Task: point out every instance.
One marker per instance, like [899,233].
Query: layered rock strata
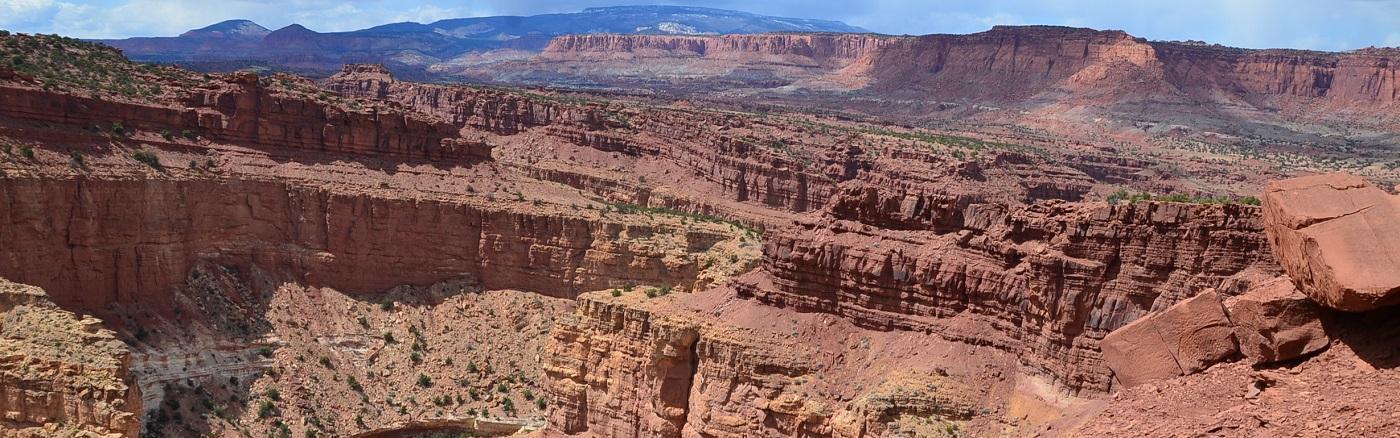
[61,373]
[633,366]
[1048,281]
[122,241]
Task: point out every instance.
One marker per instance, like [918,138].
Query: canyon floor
[232,254]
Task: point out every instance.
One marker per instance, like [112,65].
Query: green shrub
[27,152]
[118,128]
[1250,200]
[616,293]
[1118,196]
[539,403]
[425,381]
[267,409]
[326,362]
[355,384]
[389,338]
[147,158]
[76,158]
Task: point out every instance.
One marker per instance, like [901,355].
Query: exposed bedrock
[243,112]
[93,243]
[61,374]
[1047,281]
[628,366]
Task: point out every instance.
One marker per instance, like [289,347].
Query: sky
[1306,24]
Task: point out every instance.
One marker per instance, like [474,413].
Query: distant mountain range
[407,45]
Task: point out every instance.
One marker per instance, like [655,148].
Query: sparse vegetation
[1122,195]
[147,158]
[69,64]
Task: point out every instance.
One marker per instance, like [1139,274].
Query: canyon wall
[1047,281]
[61,373]
[93,243]
[1041,284]
[245,113]
[814,50]
[1029,67]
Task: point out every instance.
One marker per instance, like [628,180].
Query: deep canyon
[246,254]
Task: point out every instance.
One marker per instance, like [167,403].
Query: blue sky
[1313,24]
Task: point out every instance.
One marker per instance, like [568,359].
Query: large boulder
[1186,338]
[1275,322]
[1338,237]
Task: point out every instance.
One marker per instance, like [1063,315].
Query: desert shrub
[425,381]
[147,158]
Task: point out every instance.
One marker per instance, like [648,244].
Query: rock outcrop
[1339,239]
[244,112]
[1047,281]
[1275,322]
[632,366]
[60,373]
[1186,338]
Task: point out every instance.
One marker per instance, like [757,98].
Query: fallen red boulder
[1186,338]
[1338,237]
[1275,322]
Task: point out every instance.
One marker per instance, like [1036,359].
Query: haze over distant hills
[413,44]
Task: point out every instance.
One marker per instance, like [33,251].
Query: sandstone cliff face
[95,243]
[628,366]
[248,114]
[1047,281]
[59,373]
[815,50]
[1029,67]
[748,172]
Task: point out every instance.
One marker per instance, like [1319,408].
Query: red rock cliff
[828,50]
[93,243]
